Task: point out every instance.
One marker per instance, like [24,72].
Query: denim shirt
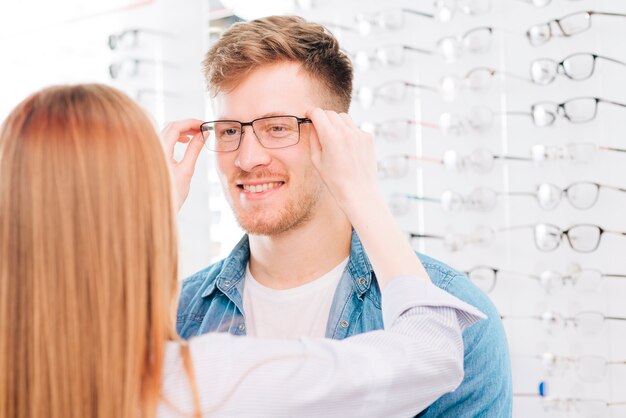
[211,300]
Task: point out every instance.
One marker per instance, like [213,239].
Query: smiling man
[301,270]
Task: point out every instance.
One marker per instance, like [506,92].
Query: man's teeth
[258,188]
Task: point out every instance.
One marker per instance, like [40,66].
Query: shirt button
[241,327]
[344,324]
[226,282]
[362,280]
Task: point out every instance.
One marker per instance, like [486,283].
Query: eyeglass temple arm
[603,148]
[414,49]
[422,198]
[518,194]
[414,235]
[611,102]
[512,158]
[420,86]
[614,276]
[619,189]
[604,57]
[613,232]
[615,318]
[425,159]
[591,12]
[417,12]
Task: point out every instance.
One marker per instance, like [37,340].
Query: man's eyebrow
[265,115]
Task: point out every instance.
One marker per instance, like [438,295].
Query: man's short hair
[269,40]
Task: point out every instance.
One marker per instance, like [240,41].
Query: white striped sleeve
[393,373]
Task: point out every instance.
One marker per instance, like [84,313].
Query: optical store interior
[500,133]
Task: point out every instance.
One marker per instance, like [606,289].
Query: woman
[88,283]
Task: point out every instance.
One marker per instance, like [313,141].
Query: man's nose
[251,153]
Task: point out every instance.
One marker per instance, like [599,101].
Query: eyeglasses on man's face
[579,66]
[571,24]
[272,132]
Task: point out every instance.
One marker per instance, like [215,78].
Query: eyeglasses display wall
[501,137]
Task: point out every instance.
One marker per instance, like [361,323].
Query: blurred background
[500,130]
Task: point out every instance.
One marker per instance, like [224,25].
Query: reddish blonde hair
[88,277]
[246,46]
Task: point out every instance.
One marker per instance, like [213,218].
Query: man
[301,270]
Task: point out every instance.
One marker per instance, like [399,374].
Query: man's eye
[229,132]
[277,128]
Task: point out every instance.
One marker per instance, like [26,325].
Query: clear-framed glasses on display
[568,25]
[134,67]
[582,238]
[479,200]
[391,92]
[476,41]
[397,166]
[272,132]
[389,56]
[480,236]
[445,10]
[575,152]
[391,19]
[585,322]
[583,280]
[476,79]
[588,368]
[480,160]
[540,3]
[575,110]
[130,38]
[581,195]
[476,119]
[579,66]
[395,130]
[578,407]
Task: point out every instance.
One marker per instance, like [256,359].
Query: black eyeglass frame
[562,112]
[251,124]
[563,33]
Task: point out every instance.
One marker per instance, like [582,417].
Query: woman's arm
[396,372]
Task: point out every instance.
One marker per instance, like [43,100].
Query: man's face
[270,190]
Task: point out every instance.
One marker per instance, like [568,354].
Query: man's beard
[297,212]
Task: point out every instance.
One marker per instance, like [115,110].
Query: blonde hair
[246,46]
[89,257]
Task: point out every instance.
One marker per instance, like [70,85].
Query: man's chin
[271,227]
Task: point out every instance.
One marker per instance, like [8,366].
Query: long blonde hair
[88,257]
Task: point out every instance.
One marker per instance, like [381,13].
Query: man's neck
[302,254]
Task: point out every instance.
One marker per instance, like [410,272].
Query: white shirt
[392,373]
[290,313]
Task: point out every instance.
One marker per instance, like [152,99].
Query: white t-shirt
[290,313]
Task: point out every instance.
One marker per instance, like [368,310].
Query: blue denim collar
[234,267]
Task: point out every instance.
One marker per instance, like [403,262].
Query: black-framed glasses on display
[583,280]
[588,368]
[578,66]
[272,132]
[480,236]
[566,26]
[575,152]
[575,110]
[395,130]
[585,322]
[582,238]
[391,92]
[581,194]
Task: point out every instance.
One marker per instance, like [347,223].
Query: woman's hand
[345,158]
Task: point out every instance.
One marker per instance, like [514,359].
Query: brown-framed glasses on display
[566,26]
[272,132]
